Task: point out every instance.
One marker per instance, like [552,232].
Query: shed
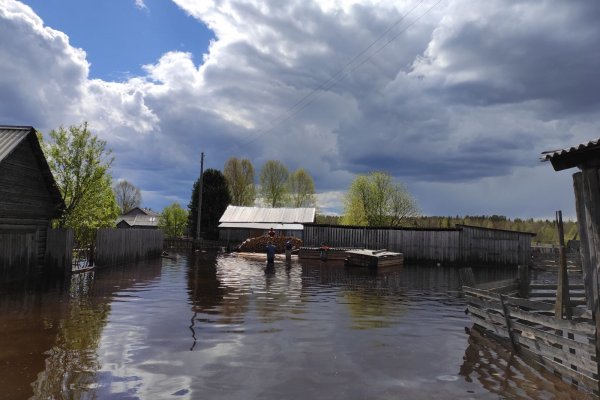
[138,218]
[29,200]
[239,223]
[586,184]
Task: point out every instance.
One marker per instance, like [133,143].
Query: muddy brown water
[225,327]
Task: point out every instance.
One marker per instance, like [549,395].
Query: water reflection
[51,332]
[501,372]
[293,330]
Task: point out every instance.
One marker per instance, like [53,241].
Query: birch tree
[240,181]
[376,200]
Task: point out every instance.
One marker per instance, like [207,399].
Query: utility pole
[200,196]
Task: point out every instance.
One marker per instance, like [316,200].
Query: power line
[336,78]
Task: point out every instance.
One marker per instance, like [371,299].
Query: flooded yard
[225,327]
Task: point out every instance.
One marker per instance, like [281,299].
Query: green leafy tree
[240,179]
[375,200]
[80,164]
[215,199]
[173,220]
[127,196]
[301,189]
[273,183]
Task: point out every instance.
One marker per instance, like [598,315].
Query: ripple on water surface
[226,327]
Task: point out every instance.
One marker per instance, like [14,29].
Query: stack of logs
[258,244]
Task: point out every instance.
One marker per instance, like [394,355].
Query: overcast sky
[455,98]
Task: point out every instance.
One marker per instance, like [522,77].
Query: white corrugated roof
[10,137]
[264,225]
[268,215]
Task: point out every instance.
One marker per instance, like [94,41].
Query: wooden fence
[464,244]
[59,251]
[121,246]
[529,327]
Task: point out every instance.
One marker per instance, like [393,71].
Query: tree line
[80,163]
[545,230]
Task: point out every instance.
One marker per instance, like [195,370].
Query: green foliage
[215,199]
[173,221]
[545,230]
[328,219]
[375,200]
[240,180]
[273,183]
[80,164]
[302,189]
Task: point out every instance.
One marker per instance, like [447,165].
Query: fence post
[562,307]
[524,280]
[508,324]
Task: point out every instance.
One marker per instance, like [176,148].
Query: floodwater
[225,327]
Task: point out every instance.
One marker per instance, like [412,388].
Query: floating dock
[318,253]
[374,258]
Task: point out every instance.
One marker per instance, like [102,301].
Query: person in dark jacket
[270,253]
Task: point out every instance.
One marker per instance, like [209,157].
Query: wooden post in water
[524,280]
[466,276]
[562,308]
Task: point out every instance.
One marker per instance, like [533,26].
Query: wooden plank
[565,371]
[486,305]
[582,362]
[514,288]
[498,330]
[578,328]
[533,305]
[481,293]
[585,348]
[497,284]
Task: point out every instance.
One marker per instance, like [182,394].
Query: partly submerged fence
[463,244]
[121,246]
[567,347]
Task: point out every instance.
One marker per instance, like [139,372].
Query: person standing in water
[288,250]
[270,253]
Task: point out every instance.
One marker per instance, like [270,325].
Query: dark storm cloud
[458,100]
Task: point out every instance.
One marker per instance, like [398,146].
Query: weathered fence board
[59,251]
[121,246]
[464,244]
[564,346]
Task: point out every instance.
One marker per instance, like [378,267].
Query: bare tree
[240,180]
[128,196]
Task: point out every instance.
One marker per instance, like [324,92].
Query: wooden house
[241,223]
[29,200]
[138,218]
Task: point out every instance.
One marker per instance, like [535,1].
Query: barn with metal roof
[29,199]
[239,223]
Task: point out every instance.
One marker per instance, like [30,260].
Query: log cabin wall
[27,203]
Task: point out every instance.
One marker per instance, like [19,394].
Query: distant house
[29,200]
[240,223]
[138,218]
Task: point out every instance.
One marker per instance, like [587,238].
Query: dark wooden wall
[494,246]
[26,206]
[122,246]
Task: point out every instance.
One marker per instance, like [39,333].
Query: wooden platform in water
[331,254]
[374,258]
[262,256]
